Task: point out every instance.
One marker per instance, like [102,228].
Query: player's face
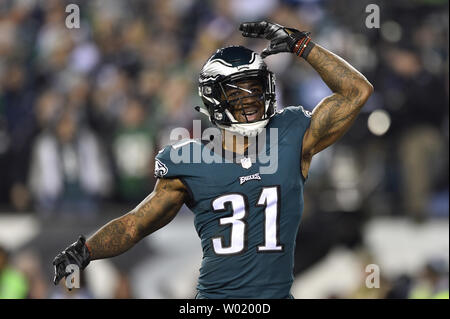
[246,99]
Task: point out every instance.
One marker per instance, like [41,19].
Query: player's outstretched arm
[122,233]
[334,115]
[154,212]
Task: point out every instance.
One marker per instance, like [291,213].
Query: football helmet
[228,67]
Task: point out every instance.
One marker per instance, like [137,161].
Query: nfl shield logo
[246,162]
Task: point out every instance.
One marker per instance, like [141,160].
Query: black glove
[77,254]
[282,39]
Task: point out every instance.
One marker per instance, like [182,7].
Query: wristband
[303,47]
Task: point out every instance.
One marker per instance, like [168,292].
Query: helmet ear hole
[207,90]
[218,116]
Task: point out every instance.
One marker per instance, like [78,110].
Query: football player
[247,221]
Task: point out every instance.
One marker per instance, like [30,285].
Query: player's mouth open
[251,114]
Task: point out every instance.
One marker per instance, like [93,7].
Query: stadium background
[84,111]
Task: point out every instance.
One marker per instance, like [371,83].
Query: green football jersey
[247,210]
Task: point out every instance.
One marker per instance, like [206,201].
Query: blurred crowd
[22,277]
[83,111]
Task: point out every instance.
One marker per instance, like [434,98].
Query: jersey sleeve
[300,117]
[295,120]
[164,167]
[298,120]
[176,161]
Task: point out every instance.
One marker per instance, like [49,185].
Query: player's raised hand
[77,254]
[281,39]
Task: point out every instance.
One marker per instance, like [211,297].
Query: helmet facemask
[232,99]
[245,101]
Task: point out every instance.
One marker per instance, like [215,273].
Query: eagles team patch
[160,168]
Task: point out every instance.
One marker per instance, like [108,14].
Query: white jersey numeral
[269,199]
[237,225]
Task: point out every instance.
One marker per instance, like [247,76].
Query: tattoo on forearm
[112,239]
[121,234]
[340,76]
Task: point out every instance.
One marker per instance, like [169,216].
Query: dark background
[84,111]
